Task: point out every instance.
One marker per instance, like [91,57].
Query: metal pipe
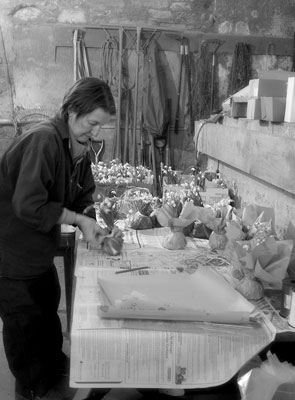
[134,138]
[6,122]
[118,152]
[9,122]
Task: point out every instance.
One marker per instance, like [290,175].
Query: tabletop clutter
[195,205]
[198,205]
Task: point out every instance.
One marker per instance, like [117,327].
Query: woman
[45,181]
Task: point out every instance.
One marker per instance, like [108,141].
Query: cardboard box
[214,195]
[211,195]
[275,74]
[290,101]
[239,107]
[238,103]
[243,93]
[273,108]
[267,88]
[254,109]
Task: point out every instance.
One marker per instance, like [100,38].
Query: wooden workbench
[257,158]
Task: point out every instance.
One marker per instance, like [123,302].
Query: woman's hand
[116,232]
[92,232]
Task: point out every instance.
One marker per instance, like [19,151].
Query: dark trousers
[32,333]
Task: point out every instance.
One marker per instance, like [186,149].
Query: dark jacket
[37,179]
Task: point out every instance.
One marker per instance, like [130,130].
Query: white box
[275,74]
[253,109]
[267,88]
[290,101]
[214,195]
[273,108]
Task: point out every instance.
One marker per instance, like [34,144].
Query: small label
[291,319]
[287,301]
[255,92]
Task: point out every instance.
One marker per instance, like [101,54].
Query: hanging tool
[75,35]
[134,136]
[153,162]
[141,44]
[81,66]
[176,124]
[241,70]
[293,58]
[110,61]
[127,87]
[126,130]
[212,119]
[110,73]
[168,160]
[155,113]
[142,156]
[160,143]
[216,44]
[141,153]
[118,152]
[187,64]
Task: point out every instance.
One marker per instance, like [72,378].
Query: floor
[228,392]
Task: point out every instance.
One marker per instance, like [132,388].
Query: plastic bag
[271,380]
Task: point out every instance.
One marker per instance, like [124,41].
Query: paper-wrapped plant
[108,212]
[138,204]
[250,243]
[176,213]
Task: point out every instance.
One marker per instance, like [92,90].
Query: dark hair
[86,95]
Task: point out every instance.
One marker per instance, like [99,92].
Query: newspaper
[146,353]
[272,313]
[144,249]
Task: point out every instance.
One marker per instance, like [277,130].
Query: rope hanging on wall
[110,62]
[240,73]
[81,64]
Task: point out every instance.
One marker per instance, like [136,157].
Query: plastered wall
[36,59]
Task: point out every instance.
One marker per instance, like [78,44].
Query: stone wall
[36,66]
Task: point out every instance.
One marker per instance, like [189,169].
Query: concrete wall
[36,60]
[256,158]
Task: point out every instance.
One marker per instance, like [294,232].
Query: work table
[148,354]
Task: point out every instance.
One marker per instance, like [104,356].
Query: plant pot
[175,240]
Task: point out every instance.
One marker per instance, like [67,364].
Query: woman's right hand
[92,232]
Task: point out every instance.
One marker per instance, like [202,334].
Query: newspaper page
[138,253]
[270,307]
[164,358]
[147,353]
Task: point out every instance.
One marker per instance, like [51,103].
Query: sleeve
[33,180]
[85,196]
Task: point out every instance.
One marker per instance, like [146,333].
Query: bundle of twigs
[241,72]
[201,90]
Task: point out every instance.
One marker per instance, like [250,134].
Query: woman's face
[88,126]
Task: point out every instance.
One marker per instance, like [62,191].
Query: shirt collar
[77,150]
